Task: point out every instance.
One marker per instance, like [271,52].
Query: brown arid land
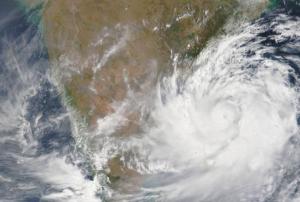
[106,50]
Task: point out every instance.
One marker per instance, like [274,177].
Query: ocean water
[34,126]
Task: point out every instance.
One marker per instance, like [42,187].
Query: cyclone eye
[224,114]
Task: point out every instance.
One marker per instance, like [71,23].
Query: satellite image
[149,100]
